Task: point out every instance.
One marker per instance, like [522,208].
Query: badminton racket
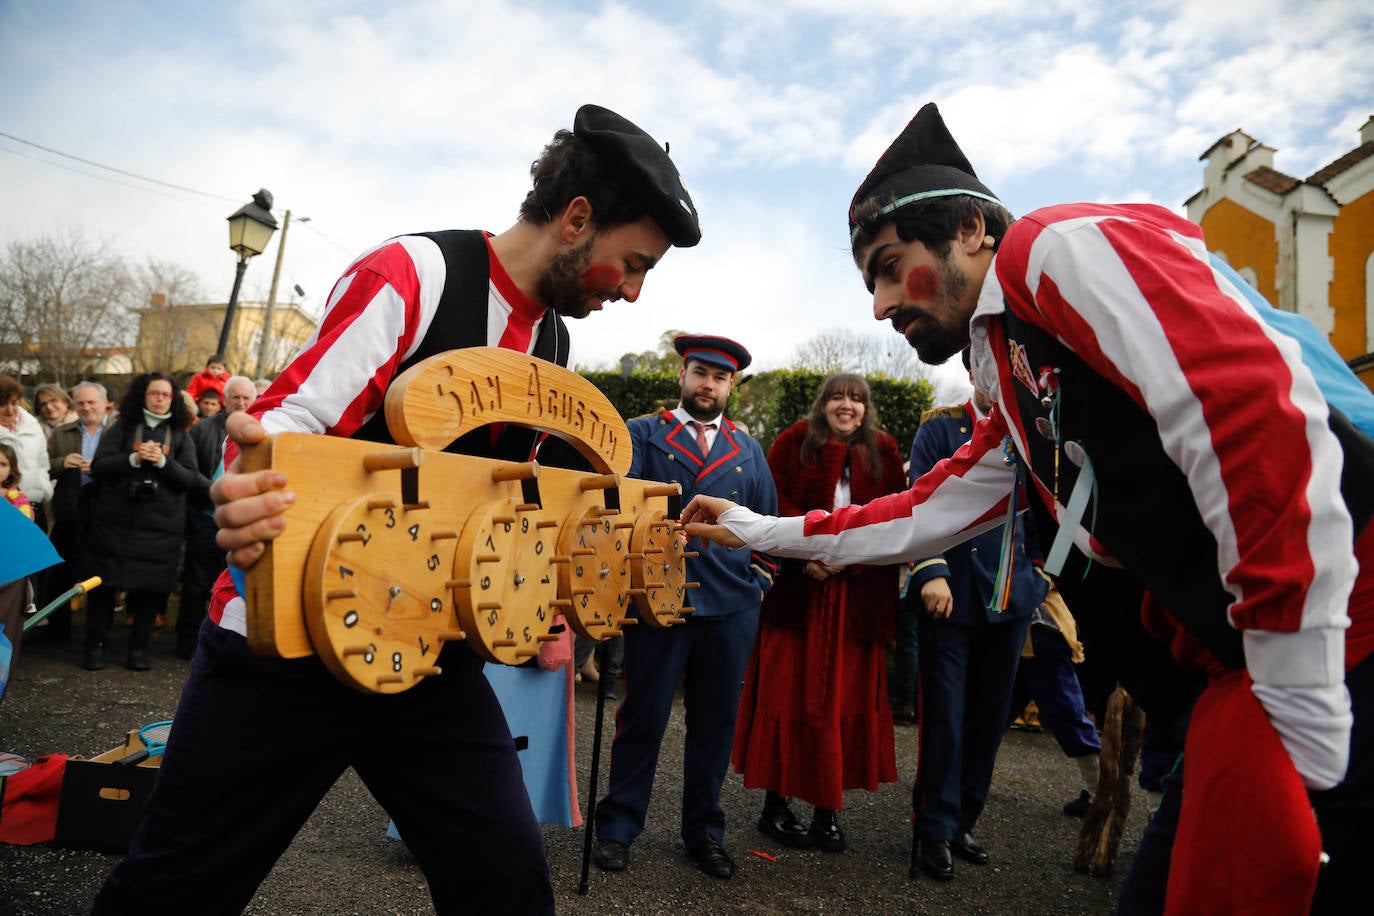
[154,737]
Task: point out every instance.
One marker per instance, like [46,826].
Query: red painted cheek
[922,283]
[599,279]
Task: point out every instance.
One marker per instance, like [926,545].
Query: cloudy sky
[375,119]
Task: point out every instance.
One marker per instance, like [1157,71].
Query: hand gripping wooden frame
[391,550]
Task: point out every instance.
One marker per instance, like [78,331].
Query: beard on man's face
[937,330]
[560,285]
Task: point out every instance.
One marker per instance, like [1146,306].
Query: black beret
[923,162]
[718,351]
[635,156]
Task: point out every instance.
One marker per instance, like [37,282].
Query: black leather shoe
[779,824]
[932,857]
[1080,805]
[712,858]
[138,660]
[966,847]
[95,658]
[826,832]
[610,855]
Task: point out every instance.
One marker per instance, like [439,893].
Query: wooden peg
[561,602]
[418,504]
[546,523]
[583,591]
[502,643]
[428,672]
[582,552]
[348,536]
[559,561]
[547,637]
[356,650]
[664,489]
[381,502]
[503,519]
[691,585]
[444,535]
[450,636]
[489,606]
[687,610]
[636,592]
[390,679]
[528,507]
[393,459]
[336,594]
[526,653]
[524,471]
[689,554]
[458,583]
[598,482]
[489,558]
[620,525]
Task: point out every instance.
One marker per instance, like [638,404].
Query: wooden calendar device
[392,550]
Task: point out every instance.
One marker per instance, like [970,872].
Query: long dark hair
[131,408]
[865,438]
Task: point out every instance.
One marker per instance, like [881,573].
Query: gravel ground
[341,862]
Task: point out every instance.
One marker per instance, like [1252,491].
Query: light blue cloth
[1339,385]
[26,549]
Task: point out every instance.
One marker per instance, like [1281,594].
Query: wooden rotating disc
[376,604]
[504,581]
[659,571]
[596,580]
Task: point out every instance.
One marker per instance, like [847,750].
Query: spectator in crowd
[9,481]
[144,466]
[23,432]
[814,718]
[262,384]
[71,448]
[696,446]
[204,558]
[210,402]
[212,376]
[54,407]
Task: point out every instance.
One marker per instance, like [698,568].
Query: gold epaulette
[956,412]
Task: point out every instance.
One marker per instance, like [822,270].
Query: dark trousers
[901,687]
[257,742]
[709,655]
[966,677]
[1048,678]
[143,604]
[205,560]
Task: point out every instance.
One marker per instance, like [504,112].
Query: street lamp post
[250,228]
[265,342]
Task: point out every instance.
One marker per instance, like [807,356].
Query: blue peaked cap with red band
[718,351]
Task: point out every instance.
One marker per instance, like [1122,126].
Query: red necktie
[701,435]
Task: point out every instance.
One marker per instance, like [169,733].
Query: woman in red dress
[814,718]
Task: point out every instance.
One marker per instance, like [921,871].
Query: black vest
[1144,512]
[461,321]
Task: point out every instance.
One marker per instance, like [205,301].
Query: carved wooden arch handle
[447,396]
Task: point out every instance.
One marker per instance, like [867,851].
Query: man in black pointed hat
[258,741]
[1184,446]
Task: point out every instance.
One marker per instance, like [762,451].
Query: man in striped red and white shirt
[1167,425]
[606,205]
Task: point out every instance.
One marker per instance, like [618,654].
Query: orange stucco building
[1307,244]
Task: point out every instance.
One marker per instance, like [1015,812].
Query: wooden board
[373,525]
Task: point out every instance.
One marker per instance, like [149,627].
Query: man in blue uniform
[699,448]
[969,641]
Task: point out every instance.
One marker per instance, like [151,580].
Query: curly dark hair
[568,168]
[865,437]
[933,222]
[131,407]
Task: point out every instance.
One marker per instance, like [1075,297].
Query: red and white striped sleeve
[1130,290]
[962,496]
[378,312]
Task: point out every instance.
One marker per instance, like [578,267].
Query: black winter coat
[138,523]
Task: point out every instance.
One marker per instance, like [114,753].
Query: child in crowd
[9,480]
